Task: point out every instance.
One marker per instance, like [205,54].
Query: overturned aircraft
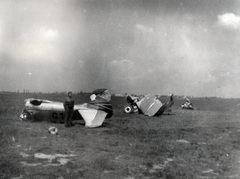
[187,105]
[93,113]
[149,105]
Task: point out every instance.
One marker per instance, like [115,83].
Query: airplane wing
[149,105]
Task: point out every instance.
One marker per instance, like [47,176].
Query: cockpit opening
[36,102]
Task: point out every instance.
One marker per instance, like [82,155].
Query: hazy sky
[185,47]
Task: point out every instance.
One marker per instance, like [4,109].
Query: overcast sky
[185,47]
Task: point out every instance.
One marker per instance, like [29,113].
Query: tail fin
[103,105]
[93,117]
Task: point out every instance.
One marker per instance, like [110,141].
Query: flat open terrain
[194,144]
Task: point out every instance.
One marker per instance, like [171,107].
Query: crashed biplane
[93,113]
[149,105]
[188,104]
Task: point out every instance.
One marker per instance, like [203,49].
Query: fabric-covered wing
[149,105]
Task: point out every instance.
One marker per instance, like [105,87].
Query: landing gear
[27,116]
[130,109]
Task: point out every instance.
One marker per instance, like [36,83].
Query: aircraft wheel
[128,109]
[53,130]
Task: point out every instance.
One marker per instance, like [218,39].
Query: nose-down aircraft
[149,105]
[93,113]
[188,104]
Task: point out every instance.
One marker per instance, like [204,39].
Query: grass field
[185,144]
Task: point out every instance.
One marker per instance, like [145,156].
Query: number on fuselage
[54,116]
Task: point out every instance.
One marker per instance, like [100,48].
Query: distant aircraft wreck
[149,105]
[188,104]
[93,113]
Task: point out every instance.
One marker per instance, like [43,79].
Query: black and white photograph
[119,89]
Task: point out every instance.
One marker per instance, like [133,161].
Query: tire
[128,110]
[53,130]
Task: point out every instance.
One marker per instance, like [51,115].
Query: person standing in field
[68,106]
